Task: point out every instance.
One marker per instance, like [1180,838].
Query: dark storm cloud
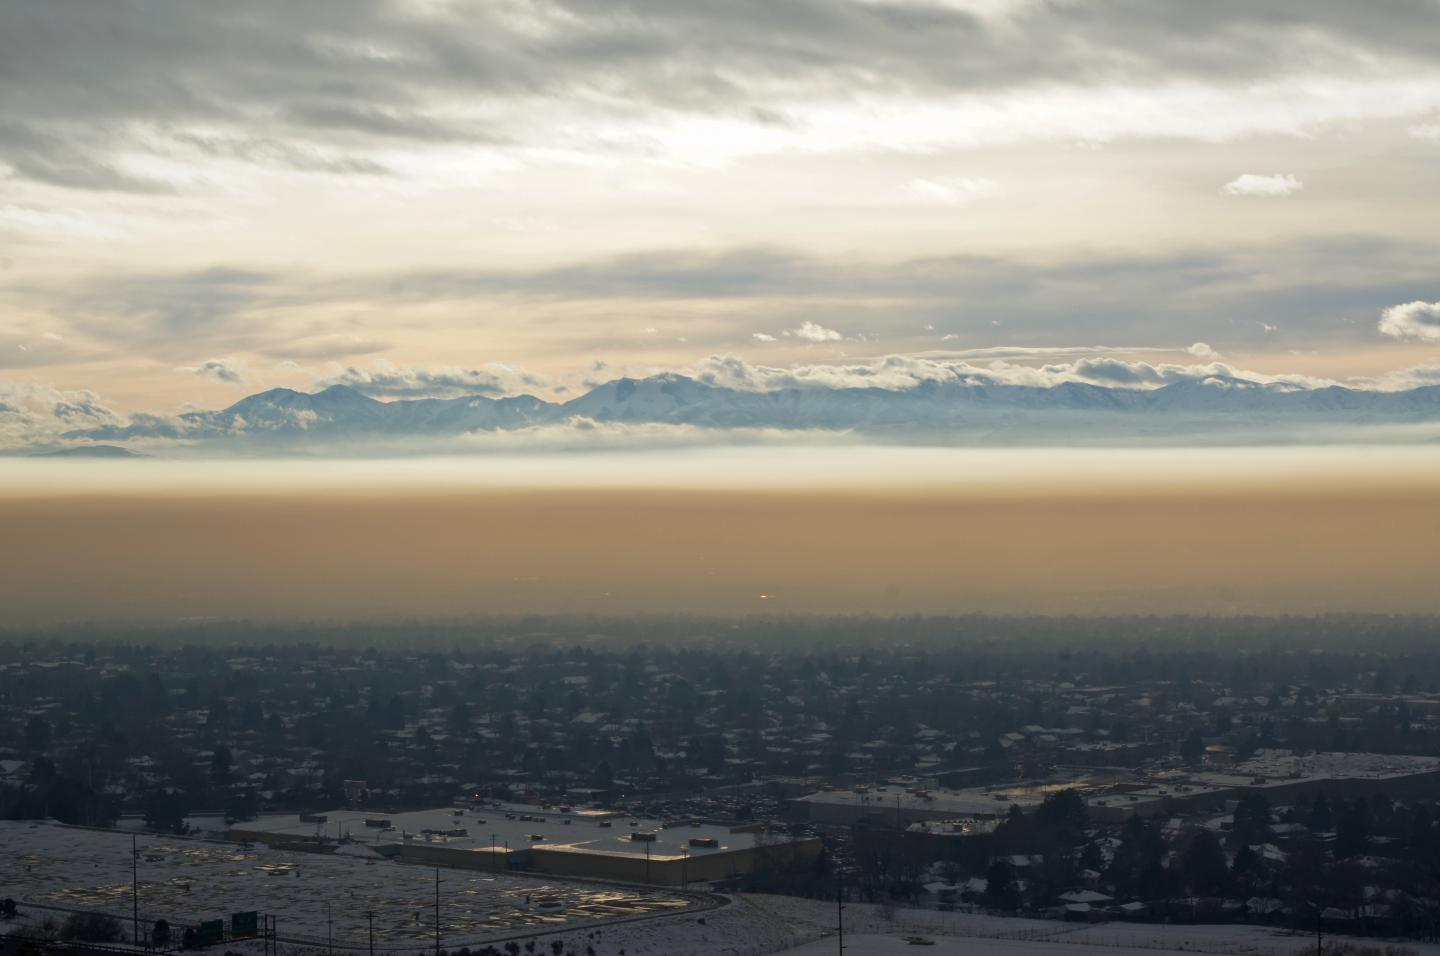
[81,79]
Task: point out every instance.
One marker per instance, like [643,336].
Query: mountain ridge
[935,410]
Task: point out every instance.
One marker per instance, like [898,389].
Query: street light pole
[437,911]
[1319,926]
[370,915]
[329,929]
[134,889]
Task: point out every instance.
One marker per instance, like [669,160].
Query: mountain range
[952,413]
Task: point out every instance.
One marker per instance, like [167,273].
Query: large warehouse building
[561,842]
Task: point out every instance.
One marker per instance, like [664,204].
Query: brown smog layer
[277,556]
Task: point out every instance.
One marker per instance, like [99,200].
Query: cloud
[277,153]
[386,380]
[1413,320]
[168,311]
[581,433]
[762,337]
[221,370]
[1311,288]
[33,415]
[1201,350]
[1265,187]
[60,158]
[953,191]
[91,82]
[814,332]
[1401,380]
[902,372]
[1040,352]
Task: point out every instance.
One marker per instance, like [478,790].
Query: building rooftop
[971,801]
[1285,766]
[515,826]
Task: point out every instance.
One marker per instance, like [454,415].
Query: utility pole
[134,889]
[840,918]
[370,915]
[329,929]
[1319,926]
[437,911]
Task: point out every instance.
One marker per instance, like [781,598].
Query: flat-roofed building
[1283,774]
[561,842]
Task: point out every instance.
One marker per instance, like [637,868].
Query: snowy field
[868,931]
[871,945]
[186,880]
[756,925]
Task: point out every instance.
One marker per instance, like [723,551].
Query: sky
[433,197]
[1133,223]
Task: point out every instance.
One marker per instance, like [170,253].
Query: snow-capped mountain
[958,413]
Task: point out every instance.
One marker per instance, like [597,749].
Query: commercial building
[1281,775]
[557,841]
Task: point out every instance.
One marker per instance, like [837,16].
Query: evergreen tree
[1193,749]
[1203,865]
[1001,888]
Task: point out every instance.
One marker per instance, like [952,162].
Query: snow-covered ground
[187,880]
[756,925]
[874,945]
[869,930]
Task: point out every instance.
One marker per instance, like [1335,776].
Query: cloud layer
[386,380]
[391,194]
[1315,292]
[95,87]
